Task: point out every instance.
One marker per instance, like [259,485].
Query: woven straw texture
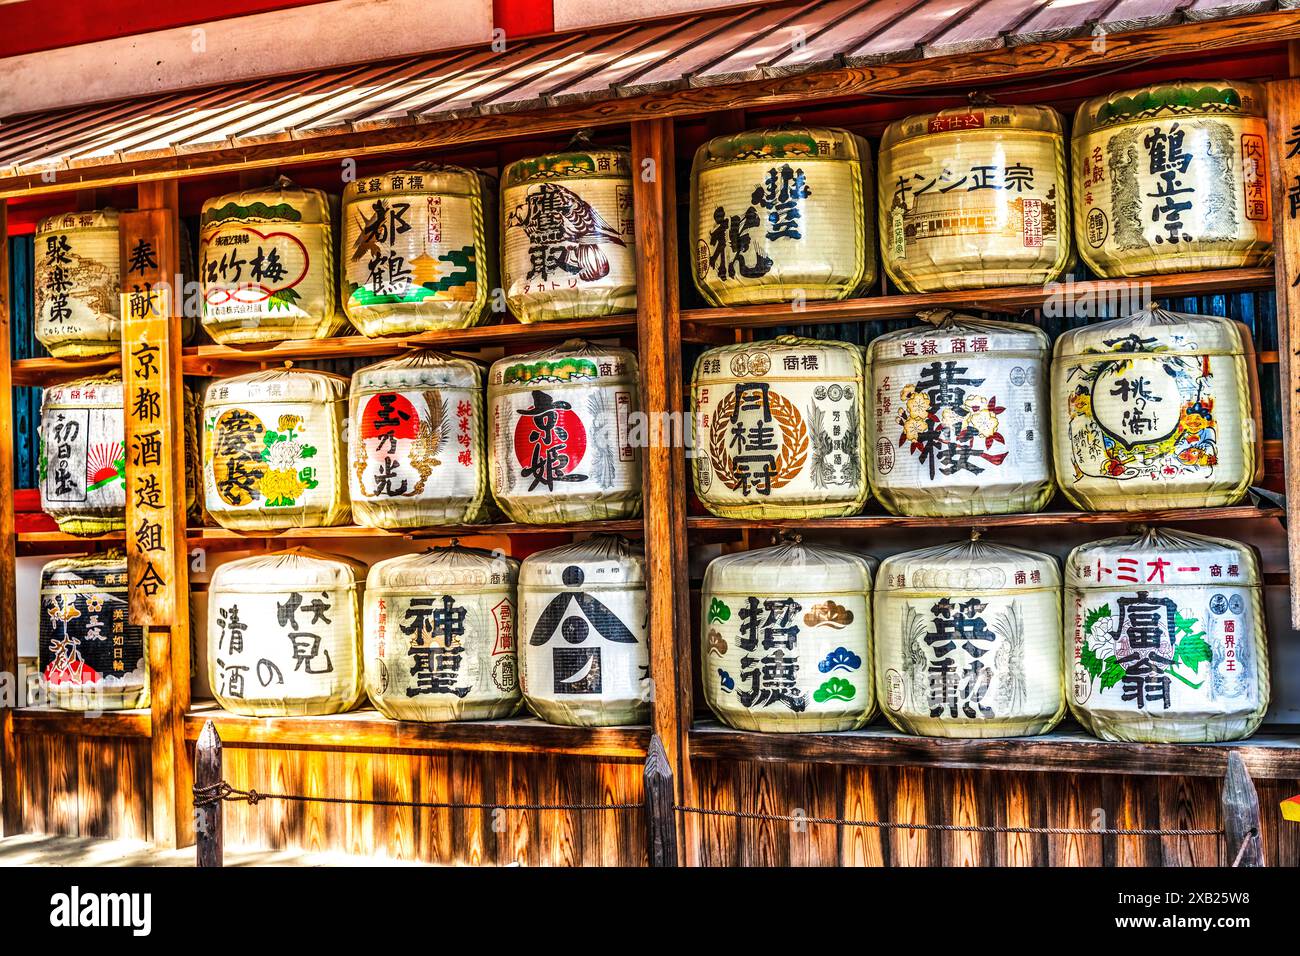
[82,459]
[78,284]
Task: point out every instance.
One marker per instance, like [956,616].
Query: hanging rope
[218,792]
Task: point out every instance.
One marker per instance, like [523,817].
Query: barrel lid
[102,388]
[788,142]
[278,385]
[601,561]
[784,357]
[1170,101]
[281,201]
[971,565]
[453,566]
[948,333]
[112,560]
[574,361]
[290,569]
[429,178]
[975,117]
[72,221]
[1161,557]
[581,159]
[1153,330]
[790,568]
[422,369]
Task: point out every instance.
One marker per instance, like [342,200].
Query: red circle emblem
[567,435]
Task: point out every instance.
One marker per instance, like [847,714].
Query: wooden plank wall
[84,786]
[969,798]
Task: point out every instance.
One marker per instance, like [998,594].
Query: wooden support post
[168,622]
[664,475]
[1241,815]
[10,691]
[207,819]
[1284,160]
[660,817]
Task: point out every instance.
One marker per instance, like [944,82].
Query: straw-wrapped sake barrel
[83,455]
[568,248]
[78,283]
[785,639]
[266,265]
[780,215]
[1164,638]
[966,641]
[1154,411]
[284,634]
[91,656]
[1173,178]
[273,450]
[417,447]
[959,421]
[780,429]
[418,250]
[560,434]
[440,635]
[584,657]
[974,197]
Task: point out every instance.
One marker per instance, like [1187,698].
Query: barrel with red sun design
[83,455]
[417,455]
[565,429]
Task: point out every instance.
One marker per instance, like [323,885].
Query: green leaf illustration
[307,451]
[837,688]
[308,477]
[1192,651]
[282,299]
[1113,674]
[718,611]
[1090,661]
[1095,615]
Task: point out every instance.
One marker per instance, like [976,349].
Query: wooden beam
[169,644]
[412,133]
[1283,127]
[654,190]
[10,809]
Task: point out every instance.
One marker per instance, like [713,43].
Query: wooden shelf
[1235,513]
[205,360]
[53,371]
[370,730]
[1011,299]
[110,723]
[1066,749]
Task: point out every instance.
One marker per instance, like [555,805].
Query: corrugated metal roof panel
[727,46]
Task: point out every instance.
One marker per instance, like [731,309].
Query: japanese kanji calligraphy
[974,197]
[284,634]
[82,458]
[415,249]
[77,281]
[568,249]
[1172,178]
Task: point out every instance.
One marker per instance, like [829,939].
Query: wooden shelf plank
[1235,513]
[111,723]
[53,371]
[207,360]
[1067,749]
[369,730]
[1011,299]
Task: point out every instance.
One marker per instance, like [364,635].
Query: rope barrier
[217,792]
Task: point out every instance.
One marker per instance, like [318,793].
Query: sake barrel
[284,634]
[966,641]
[82,456]
[91,656]
[959,419]
[266,264]
[1153,411]
[780,429]
[417,448]
[440,635]
[974,197]
[418,246]
[273,450]
[78,284]
[568,247]
[780,215]
[785,639]
[1164,638]
[1173,178]
[561,425]
[584,659]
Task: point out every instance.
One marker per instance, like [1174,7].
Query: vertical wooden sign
[1284,154]
[150,433]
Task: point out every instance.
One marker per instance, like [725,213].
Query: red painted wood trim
[523,18]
